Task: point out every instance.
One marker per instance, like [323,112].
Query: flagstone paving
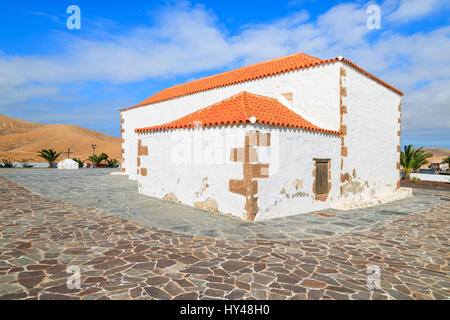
[40,238]
[118,196]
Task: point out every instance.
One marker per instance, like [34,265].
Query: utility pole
[93,154]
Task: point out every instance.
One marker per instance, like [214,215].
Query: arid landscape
[19,140]
[438,155]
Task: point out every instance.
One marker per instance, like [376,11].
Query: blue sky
[128,50]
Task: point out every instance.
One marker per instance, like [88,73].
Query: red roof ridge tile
[240,108]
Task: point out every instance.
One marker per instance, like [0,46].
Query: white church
[282,137]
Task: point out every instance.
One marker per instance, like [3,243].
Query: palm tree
[98,159]
[104,156]
[113,163]
[412,159]
[79,161]
[95,159]
[49,155]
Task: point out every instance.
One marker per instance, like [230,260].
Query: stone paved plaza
[129,246]
[118,196]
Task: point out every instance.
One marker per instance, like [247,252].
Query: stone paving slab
[40,238]
[118,196]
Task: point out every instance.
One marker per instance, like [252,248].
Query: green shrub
[80,162]
[113,163]
[25,164]
[7,164]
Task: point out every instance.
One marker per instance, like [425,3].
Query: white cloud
[411,10]
[429,105]
[188,39]
[44,14]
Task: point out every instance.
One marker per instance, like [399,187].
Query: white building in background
[68,164]
[281,137]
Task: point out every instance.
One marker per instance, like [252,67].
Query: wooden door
[321,177]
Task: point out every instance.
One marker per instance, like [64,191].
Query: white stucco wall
[181,163]
[289,190]
[372,139]
[430,177]
[315,97]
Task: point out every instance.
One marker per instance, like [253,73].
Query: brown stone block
[343,91]
[343,72]
[123,140]
[142,151]
[344,130]
[398,184]
[399,133]
[398,165]
[252,187]
[138,161]
[343,110]
[251,206]
[237,186]
[122,121]
[144,172]
[137,171]
[258,170]
[122,169]
[242,187]
[245,155]
[399,148]
[400,107]
[258,139]
[344,151]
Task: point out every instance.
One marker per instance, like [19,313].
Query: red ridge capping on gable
[257,71]
[239,109]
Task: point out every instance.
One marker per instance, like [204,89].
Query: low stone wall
[431,177]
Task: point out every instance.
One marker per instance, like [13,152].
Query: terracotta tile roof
[256,71]
[241,108]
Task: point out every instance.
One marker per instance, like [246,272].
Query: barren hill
[438,152]
[19,140]
[438,155]
[10,125]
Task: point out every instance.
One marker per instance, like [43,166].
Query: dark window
[321,176]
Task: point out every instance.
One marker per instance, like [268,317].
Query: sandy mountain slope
[438,155]
[19,140]
[438,152]
[10,125]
